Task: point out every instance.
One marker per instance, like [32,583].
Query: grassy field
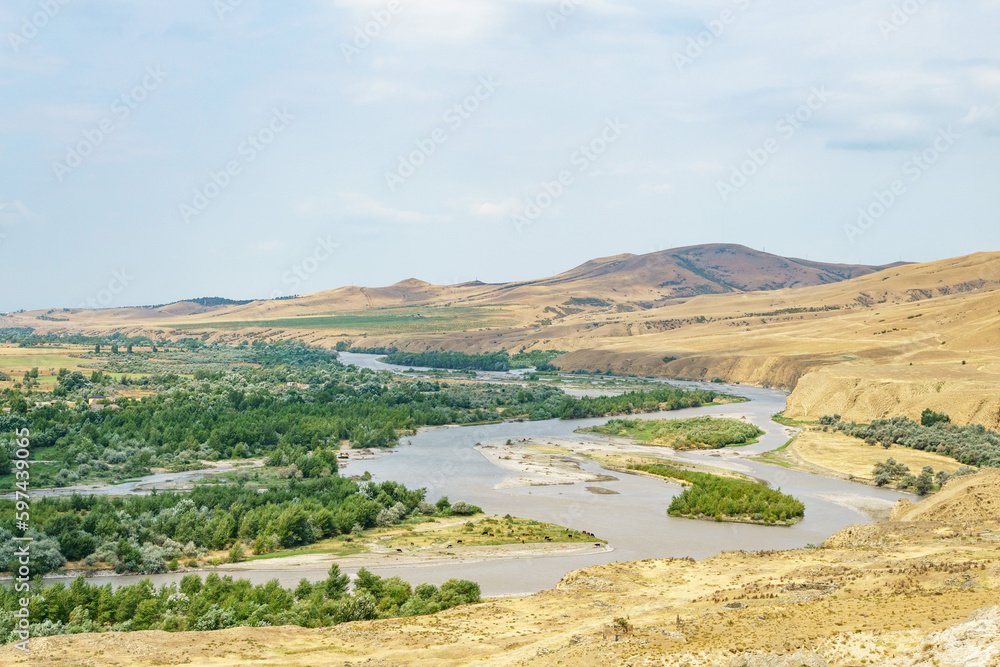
[442,533]
[488,531]
[15,360]
[694,433]
[850,456]
[388,321]
[777,456]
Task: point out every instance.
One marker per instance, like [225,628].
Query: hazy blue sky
[162,150]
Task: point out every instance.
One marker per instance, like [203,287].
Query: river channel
[634,521]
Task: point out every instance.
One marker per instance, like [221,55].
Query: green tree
[928,417]
[236,553]
[925,481]
[336,583]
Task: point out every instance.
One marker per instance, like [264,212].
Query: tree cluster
[222,602]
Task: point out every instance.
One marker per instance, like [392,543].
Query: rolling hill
[861,341]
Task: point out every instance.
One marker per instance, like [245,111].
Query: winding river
[633,521]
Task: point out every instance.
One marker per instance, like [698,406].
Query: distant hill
[683,272]
[624,282]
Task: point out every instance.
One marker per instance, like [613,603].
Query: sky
[153,151]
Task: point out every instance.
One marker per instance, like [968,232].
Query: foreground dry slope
[904,593]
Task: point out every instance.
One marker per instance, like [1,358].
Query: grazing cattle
[399,550]
[459,541]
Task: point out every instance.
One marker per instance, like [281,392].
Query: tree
[236,553]
[928,418]
[97,348]
[304,589]
[925,481]
[336,583]
[129,348]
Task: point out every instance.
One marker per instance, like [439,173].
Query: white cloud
[357,205]
[432,22]
[15,211]
[985,118]
[498,210]
[657,189]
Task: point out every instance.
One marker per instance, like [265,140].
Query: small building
[98,403]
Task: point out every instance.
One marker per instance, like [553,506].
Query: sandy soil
[415,558]
[971,498]
[537,462]
[546,461]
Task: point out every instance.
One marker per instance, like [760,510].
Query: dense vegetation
[973,445]
[633,402]
[727,499]
[149,533]
[693,433]
[221,602]
[489,361]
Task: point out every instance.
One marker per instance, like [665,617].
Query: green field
[388,321]
[22,359]
[694,433]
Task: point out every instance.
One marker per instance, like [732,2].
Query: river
[634,521]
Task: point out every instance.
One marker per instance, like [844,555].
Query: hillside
[622,279]
[877,344]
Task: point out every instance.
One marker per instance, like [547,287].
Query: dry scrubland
[916,591]
[845,456]
[882,344]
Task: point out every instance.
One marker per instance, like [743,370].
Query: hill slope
[622,279]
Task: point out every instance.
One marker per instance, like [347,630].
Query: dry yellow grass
[852,457]
[853,604]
